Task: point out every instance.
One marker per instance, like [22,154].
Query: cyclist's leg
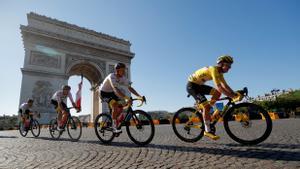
[116,111]
[215,96]
[199,92]
[64,115]
[21,116]
[26,119]
[58,111]
[114,107]
[208,90]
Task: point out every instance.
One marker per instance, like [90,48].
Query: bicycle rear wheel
[35,128]
[103,128]
[53,129]
[74,128]
[140,128]
[248,123]
[188,124]
[22,129]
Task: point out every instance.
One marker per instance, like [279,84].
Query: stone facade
[56,50]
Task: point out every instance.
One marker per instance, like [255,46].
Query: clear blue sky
[170,39]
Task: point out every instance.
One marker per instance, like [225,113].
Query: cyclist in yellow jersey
[197,88]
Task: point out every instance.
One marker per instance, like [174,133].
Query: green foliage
[289,101]
[8,122]
[160,114]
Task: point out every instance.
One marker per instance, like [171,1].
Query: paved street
[280,150]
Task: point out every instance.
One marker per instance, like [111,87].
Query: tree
[287,102]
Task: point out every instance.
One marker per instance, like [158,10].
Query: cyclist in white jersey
[59,100]
[112,90]
[24,111]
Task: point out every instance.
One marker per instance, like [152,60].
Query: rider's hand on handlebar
[142,98]
[238,97]
[78,109]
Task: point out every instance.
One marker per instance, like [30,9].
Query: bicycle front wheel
[248,123]
[140,128]
[53,129]
[188,124]
[74,128]
[103,128]
[23,131]
[35,128]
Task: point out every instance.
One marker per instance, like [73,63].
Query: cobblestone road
[280,150]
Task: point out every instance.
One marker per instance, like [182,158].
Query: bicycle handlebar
[244,92]
[69,108]
[142,99]
[34,114]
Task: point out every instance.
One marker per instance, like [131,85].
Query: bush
[8,122]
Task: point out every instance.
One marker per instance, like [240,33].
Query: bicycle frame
[232,115]
[228,105]
[69,116]
[129,112]
[33,124]
[30,118]
[134,120]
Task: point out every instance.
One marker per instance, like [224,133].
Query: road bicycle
[34,125]
[246,123]
[73,126]
[139,125]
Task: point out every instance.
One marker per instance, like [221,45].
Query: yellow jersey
[205,74]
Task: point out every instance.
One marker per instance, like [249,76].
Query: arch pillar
[96,103]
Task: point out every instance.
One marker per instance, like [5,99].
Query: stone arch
[94,74]
[56,50]
[88,69]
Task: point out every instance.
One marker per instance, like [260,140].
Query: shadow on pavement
[53,139]
[255,152]
[8,137]
[270,145]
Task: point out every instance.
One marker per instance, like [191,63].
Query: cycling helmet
[120,65]
[66,87]
[225,58]
[29,100]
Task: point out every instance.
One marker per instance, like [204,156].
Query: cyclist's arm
[221,84]
[221,89]
[59,103]
[115,86]
[227,90]
[132,90]
[119,93]
[60,106]
[56,97]
[71,99]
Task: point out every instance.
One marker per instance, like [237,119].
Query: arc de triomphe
[56,50]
